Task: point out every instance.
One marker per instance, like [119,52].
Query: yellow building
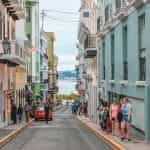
[52,66]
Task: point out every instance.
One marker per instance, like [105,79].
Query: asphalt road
[64,133]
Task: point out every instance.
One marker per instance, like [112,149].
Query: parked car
[40,114]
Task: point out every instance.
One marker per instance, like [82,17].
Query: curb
[11,135]
[105,138]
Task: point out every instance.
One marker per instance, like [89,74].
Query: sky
[65,26]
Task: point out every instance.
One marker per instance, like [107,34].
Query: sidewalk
[9,132]
[10,128]
[115,141]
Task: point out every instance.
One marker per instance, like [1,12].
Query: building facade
[87,57]
[43,64]
[123,56]
[33,34]
[52,67]
[12,58]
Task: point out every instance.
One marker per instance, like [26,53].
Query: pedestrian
[14,113]
[81,109]
[85,108]
[126,111]
[119,117]
[46,111]
[105,116]
[27,111]
[101,110]
[114,109]
[20,112]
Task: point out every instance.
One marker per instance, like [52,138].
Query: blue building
[124,56]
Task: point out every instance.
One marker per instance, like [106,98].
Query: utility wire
[44,16]
[61,20]
[62,12]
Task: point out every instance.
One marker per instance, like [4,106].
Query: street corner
[91,126]
[14,133]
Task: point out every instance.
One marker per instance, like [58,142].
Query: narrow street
[64,133]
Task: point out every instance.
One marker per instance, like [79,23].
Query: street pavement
[65,132]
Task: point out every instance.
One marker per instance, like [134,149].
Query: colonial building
[12,58]
[44,64]
[123,56]
[52,67]
[32,33]
[87,57]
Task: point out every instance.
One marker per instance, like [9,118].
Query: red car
[40,114]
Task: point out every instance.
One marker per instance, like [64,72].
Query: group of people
[115,118]
[80,108]
[16,113]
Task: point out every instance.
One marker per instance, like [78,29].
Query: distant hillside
[67,74]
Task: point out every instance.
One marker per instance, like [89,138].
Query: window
[118,4]
[86,14]
[142,58]
[1,24]
[112,56]
[4,27]
[29,36]
[28,14]
[104,69]
[107,13]
[125,52]
[98,24]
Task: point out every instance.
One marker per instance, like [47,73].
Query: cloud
[66,33]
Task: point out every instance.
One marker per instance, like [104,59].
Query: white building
[87,57]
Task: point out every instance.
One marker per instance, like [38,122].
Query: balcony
[137,3]
[44,68]
[15,8]
[11,53]
[53,90]
[121,9]
[44,87]
[90,46]
[29,78]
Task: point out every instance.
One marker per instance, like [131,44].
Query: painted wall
[135,93]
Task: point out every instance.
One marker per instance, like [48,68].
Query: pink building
[12,56]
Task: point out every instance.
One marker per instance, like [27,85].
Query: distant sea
[66,86]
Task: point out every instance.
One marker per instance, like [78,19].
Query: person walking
[20,113]
[27,112]
[14,113]
[46,110]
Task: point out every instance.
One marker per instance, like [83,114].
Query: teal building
[124,56]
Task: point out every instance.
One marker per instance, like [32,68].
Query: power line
[62,12]
[44,15]
[61,20]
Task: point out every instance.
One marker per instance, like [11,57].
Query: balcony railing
[44,86]
[137,3]
[15,8]
[121,9]
[90,46]
[11,52]
[53,90]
